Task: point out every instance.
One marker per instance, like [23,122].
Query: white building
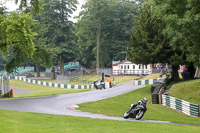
[129,68]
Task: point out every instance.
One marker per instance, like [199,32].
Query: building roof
[123,62]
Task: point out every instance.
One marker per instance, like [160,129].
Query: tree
[33,5]
[16,35]
[94,13]
[117,30]
[55,16]
[182,28]
[103,31]
[149,45]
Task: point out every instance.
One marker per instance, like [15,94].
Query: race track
[64,104]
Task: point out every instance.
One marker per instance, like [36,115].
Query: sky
[10,4]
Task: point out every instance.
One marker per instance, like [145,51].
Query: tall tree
[149,45]
[16,35]
[103,31]
[94,12]
[183,29]
[33,5]
[55,15]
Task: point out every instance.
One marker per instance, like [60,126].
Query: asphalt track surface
[65,104]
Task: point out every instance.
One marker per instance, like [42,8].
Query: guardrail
[183,106]
[131,72]
[68,86]
[145,82]
[5,90]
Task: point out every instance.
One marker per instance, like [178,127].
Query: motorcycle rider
[102,84]
[143,102]
[137,110]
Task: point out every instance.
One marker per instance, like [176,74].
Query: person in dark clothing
[143,102]
[102,84]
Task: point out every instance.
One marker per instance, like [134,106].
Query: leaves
[183,29]
[16,36]
[56,29]
[116,20]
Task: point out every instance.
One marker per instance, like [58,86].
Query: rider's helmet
[144,100]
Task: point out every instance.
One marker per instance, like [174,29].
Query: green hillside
[116,106]
[187,90]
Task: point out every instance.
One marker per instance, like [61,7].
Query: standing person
[109,81]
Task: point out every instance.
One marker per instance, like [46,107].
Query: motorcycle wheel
[139,115]
[126,114]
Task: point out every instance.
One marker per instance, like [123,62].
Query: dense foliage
[16,36]
[164,31]
[167,32]
[104,26]
[56,29]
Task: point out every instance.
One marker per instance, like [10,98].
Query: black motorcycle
[136,112]
[99,84]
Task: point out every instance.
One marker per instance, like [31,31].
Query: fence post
[12,93]
[199,110]
[160,96]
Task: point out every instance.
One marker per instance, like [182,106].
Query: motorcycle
[135,112]
[99,84]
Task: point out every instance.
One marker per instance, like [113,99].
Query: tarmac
[66,104]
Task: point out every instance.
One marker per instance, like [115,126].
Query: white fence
[183,106]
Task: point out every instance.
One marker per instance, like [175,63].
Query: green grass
[116,106]
[20,122]
[152,76]
[156,76]
[118,79]
[40,90]
[187,90]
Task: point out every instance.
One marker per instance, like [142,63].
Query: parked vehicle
[136,111]
[99,84]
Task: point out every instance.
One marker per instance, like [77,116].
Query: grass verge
[118,79]
[40,90]
[20,122]
[191,88]
[156,76]
[152,76]
[116,106]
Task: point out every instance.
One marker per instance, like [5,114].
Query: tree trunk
[98,40]
[175,74]
[191,70]
[38,69]
[53,70]
[61,66]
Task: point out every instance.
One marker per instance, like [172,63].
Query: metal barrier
[76,80]
[183,106]
[131,72]
[5,90]
[69,86]
[62,79]
[145,82]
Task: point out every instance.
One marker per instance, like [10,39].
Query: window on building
[128,67]
[121,66]
[133,66]
[124,66]
[146,66]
